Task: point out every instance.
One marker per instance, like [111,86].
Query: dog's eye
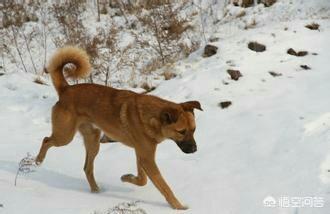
[182,132]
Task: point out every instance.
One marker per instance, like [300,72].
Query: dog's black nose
[191,148]
[187,146]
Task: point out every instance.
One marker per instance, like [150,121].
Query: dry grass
[124,208]
[250,25]
[169,75]
[38,80]
[241,14]
[147,87]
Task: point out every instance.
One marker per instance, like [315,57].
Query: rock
[243,3]
[225,104]
[302,53]
[292,52]
[257,47]
[267,3]
[234,74]
[1,74]
[210,50]
[305,67]
[274,74]
[313,26]
[247,3]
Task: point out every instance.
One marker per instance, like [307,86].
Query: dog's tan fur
[137,120]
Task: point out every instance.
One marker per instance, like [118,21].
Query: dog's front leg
[150,167]
[140,179]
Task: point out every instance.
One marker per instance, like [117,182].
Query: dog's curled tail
[63,56]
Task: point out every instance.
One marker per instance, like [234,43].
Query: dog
[139,121]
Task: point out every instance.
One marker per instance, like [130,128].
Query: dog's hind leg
[64,128]
[91,137]
[140,179]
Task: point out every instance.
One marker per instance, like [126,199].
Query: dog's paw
[95,190]
[38,161]
[182,208]
[127,177]
[179,206]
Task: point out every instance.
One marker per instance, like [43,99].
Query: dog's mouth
[187,147]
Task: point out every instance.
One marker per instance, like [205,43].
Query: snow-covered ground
[272,141]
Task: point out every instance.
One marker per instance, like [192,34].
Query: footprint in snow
[321,124]
[11,87]
[325,171]
[18,108]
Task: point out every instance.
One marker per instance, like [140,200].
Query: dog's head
[178,124]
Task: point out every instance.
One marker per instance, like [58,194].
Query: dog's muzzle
[187,146]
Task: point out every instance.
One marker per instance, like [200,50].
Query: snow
[272,142]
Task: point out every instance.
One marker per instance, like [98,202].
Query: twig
[17,49]
[202,22]
[98,11]
[29,51]
[121,10]
[44,33]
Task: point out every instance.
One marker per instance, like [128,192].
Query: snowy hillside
[271,143]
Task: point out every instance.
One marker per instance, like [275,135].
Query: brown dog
[137,120]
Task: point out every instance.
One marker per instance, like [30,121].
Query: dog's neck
[150,125]
[149,115]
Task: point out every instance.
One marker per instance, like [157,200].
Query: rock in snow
[210,50]
[257,47]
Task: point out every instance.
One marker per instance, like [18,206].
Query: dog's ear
[169,115]
[191,105]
